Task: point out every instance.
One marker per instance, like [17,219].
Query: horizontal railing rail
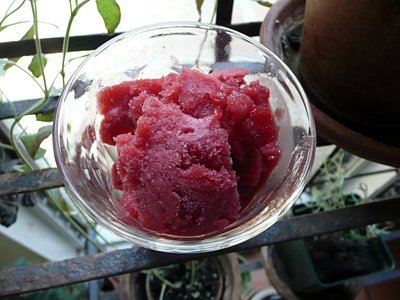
[88,42]
[15,108]
[84,268]
[22,182]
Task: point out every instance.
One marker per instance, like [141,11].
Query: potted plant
[332,260]
[345,46]
[209,278]
[347,59]
[195,279]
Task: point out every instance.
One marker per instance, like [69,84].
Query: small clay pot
[228,280]
[349,58]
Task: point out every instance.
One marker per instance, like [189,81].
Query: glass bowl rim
[185,246]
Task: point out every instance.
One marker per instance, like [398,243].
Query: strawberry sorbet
[192,148]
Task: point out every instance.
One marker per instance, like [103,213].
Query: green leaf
[32,141]
[199,4]
[55,91]
[58,200]
[110,12]
[2,67]
[12,24]
[13,59]
[40,153]
[34,66]
[21,168]
[264,3]
[45,117]
[246,278]
[28,35]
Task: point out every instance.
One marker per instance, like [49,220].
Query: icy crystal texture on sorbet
[192,148]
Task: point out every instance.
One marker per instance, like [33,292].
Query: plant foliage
[110,12]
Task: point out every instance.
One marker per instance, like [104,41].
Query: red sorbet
[192,148]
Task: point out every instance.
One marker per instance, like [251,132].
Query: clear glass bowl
[151,52]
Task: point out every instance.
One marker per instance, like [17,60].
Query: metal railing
[85,268]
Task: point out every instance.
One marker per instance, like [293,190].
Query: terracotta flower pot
[338,120]
[349,57]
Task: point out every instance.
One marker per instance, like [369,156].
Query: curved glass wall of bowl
[154,51]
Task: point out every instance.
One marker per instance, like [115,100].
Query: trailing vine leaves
[264,3]
[110,12]
[32,141]
[199,5]
[10,11]
[246,278]
[28,35]
[34,66]
[74,12]
[45,117]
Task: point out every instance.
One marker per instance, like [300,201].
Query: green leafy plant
[27,145]
[246,278]
[335,257]
[328,193]
[110,12]
[198,279]
[32,141]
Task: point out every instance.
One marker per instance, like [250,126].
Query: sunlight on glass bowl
[151,52]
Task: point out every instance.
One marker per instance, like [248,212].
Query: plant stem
[164,280]
[39,47]
[215,11]
[32,109]
[91,225]
[7,14]
[83,215]
[73,222]
[193,273]
[50,196]
[10,62]
[163,288]
[205,35]
[6,146]
[44,100]
[65,47]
